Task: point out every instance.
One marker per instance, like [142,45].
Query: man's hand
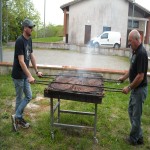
[121,79]
[39,74]
[31,80]
[126,90]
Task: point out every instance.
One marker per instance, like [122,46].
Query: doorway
[87,35]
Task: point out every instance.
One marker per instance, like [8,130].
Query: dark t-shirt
[22,47]
[139,64]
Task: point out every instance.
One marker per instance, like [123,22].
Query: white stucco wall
[97,13]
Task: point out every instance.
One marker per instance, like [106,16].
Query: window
[104,36]
[106,28]
[135,24]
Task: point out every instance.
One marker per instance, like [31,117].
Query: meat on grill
[58,86]
[79,88]
[79,80]
[77,84]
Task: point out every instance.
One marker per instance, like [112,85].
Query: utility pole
[44,15]
[7,21]
[133,14]
[1,55]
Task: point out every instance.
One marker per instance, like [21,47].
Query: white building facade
[85,19]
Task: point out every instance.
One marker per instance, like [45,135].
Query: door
[141,33]
[103,39]
[87,35]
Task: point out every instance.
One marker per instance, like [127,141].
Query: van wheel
[116,46]
[96,45]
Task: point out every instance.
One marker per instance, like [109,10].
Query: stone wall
[81,48]
[5,68]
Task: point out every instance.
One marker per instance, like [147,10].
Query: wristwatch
[129,87]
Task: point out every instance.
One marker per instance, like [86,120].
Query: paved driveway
[73,58]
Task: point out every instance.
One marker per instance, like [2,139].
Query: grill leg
[95,122]
[52,117]
[58,119]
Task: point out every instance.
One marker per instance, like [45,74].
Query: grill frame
[73,96]
[89,98]
[53,123]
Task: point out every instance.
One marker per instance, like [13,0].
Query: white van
[108,39]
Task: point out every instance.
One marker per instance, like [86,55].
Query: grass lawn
[48,39]
[112,126]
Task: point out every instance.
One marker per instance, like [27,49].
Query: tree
[14,12]
[51,31]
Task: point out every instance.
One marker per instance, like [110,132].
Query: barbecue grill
[75,86]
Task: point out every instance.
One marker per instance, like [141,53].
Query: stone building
[85,19]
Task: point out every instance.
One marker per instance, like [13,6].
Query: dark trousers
[137,99]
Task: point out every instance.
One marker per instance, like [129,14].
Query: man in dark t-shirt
[138,86]
[22,47]
[21,75]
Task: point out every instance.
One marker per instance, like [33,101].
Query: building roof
[139,6]
[66,6]
[70,3]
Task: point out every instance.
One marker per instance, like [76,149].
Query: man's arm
[25,69]
[124,77]
[33,61]
[138,79]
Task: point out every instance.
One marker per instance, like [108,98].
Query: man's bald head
[134,39]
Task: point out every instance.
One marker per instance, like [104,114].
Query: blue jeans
[22,86]
[137,99]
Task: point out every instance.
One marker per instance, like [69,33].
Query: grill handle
[110,89]
[42,82]
[81,76]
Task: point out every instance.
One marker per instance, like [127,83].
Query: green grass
[48,39]
[112,126]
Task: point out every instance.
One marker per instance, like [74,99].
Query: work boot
[140,141]
[23,123]
[14,123]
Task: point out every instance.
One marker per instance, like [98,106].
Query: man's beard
[29,34]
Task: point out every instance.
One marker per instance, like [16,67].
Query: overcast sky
[54,14]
